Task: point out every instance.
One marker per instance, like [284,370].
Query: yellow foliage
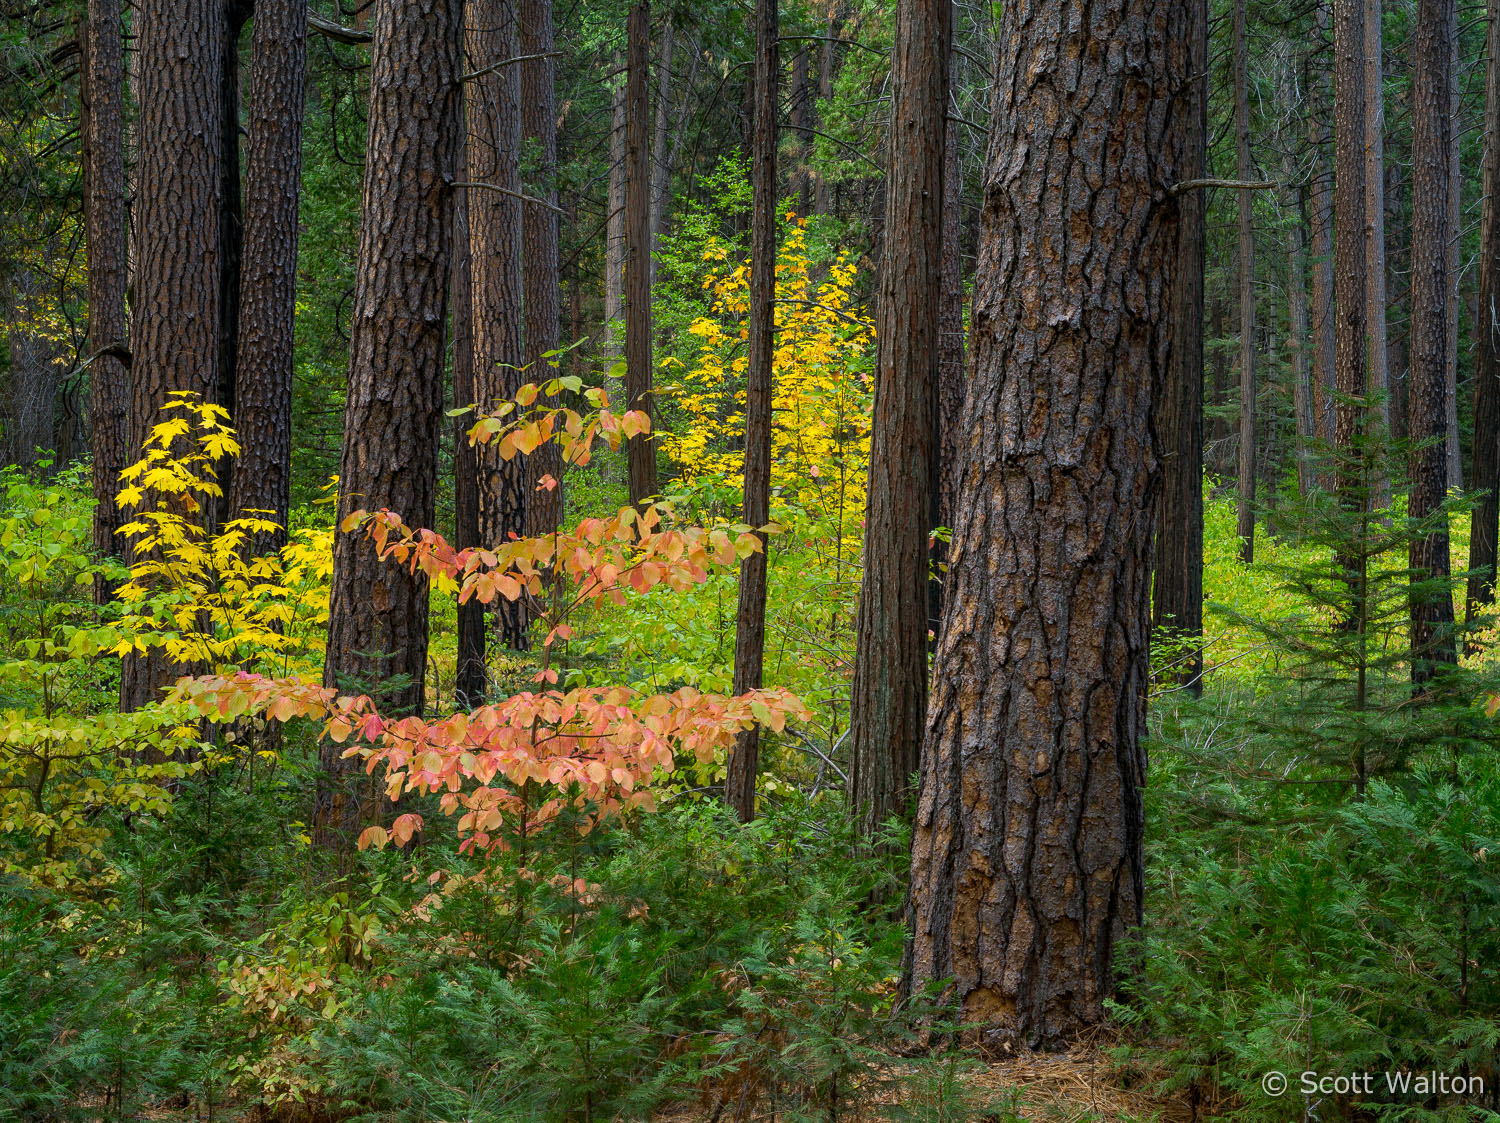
[822,366]
[199,596]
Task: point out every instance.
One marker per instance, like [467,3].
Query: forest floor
[1082,1086]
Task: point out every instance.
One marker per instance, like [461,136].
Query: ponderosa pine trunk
[888,701]
[470,676]
[750,617]
[1177,603]
[175,321]
[1375,222]
[640,451]
[268,274]
[231,236]
[1455,271]
[951,381]
[109,376]
[377,627]
[1320,224]
[1427,413]
[1296,289]
[492,108]
[1350,307]
[1484,529]
[1245,170]
[539,237]
[661,179]
[1027,852]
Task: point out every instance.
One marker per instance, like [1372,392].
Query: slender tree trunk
[641,450]
[800,179]
[471,677]
[539,236]
[377,627]
[1350,307]
[827,64]
[1375,221]
[1177,606]
[1027,852]
[268,282]
[109,376]
[34,373]
[614,249]
[1455,273]
[1320,222]
[1219,372]
[661,177]
[1245,170]
[175,319]
[950,377]
[1298,339]
[493,110]
[1432,233]
[889,700]
[1485,521]
[750,621]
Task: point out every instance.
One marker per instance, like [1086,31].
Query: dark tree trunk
[800,179]
[1320,222]
[828,59]
[950,378]
[377,627]
[539,247]
[492,105]
[641,450]
[1375,221]
[109,377]
[1455,270]
[470,674]
[1349,232]
[1177,606]
[1427,412]
[175,318]
[1027,852]
[661,175]
[888,703]
[750,620]
[1485,478]
[1245,169]
[231,232]
[268,279]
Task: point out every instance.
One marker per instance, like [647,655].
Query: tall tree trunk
[888,703]
[1219,432]
[1298,339]
[640,450]
[377,627]
[614,242]
[539,235]
[661,177]
[175,319]
[950,376]
[1432,233]
[1375,220]
[492,106]
[109,377]
[1455,272]
[268,281]
[231,232]
[827,64]
[471,678]
[800,179]
[750,619]
[1027,853]
[1320,223]
[1485,521]
[1177,606]
[1350,308]
[1245,170]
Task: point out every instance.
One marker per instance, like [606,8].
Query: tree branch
[335,31]
[1233,184]
[494,66]
[514,194]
